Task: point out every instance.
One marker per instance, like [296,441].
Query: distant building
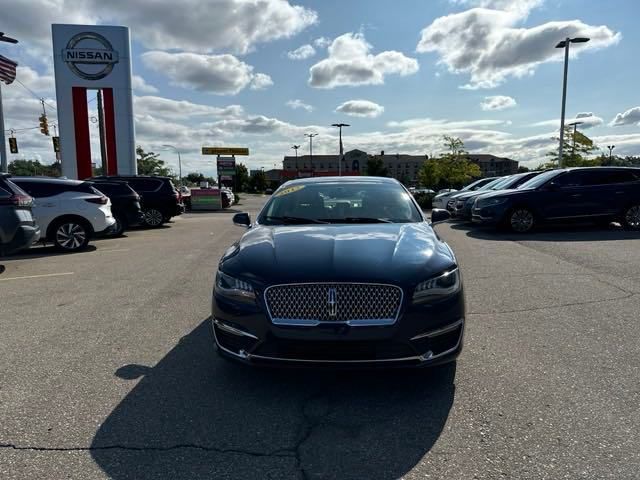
[405,168]
[354,163]
[492,166]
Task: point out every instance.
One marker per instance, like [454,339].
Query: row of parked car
[68,213]
[523,201]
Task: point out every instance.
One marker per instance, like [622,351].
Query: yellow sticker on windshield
[289,190]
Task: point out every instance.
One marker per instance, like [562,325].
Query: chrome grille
[354,303]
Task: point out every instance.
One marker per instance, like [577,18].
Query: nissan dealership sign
[88,61]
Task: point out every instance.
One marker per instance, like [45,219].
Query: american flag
[7,70]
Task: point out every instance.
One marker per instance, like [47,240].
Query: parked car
[426,191]
[227,198]
[185,194]
[18,229]
[125,205]
[366,284]
[596,194]
[464,202]
[160,199]
[443,196]
[69,212]
[451,203]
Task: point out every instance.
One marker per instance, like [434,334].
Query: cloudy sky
[261,73]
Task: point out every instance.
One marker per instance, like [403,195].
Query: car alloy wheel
[521,220]
[153,217]
[118,227]
[632,217]
[71,236]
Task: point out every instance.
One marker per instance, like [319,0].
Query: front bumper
[25,236]
[422,336]
[492,215]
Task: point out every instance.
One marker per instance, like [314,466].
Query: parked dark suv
[125,204]
[160,198]
[598,194]
[18,229]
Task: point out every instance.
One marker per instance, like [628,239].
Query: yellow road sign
[225,151]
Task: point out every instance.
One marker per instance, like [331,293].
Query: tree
[576,149]
[194,178]
[376,168]
[34,167]
[150,164]
[241,178]
[258,181]
[452,169]
[523,169]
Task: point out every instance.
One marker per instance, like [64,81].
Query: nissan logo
[90,56]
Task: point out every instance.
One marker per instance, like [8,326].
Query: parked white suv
[69,212]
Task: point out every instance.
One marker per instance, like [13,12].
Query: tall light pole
[610,147]
[310,135]
[575,131]
[179,161]
[296,147]
[340,125]
[4,167]
[565,44]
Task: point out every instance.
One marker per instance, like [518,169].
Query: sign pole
[218,170]
[4,168]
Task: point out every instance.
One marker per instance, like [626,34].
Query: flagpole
[4,168]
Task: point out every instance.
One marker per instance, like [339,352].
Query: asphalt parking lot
[107,369]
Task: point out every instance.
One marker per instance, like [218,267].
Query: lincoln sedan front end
[339,271]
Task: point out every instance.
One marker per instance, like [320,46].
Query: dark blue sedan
[339,271]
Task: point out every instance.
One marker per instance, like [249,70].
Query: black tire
[631,218]
[119,227]
[70,234]
[521,220]
[153,217]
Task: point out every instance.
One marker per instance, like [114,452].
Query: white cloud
[497,102]
[297,103]
[261,81]
[488,45]
[350,62]
[182,109]
[218,74]
[194,25]
[322,42]
[628,117]
[301,53]
[360,108]
[138,83]
[586,120]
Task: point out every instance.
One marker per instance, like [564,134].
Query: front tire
[70,235]
[153,217]
[631,218]
[521,220]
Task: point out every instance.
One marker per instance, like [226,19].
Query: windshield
[492,184]
[538,180]
[340,202]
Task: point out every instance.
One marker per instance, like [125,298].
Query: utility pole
[340,158]
[103,153]
[310,135]
[4,167]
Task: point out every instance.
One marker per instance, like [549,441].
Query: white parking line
[115,250]
[36,276]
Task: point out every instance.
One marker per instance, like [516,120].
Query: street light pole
[340,158]
[565,44]
[179,162]
[610,147]
[310,135]
[4,166]
[575,131]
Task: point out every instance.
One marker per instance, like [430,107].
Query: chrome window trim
[314,323]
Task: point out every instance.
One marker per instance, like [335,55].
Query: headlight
[443,285]
[489,202]
[232,287]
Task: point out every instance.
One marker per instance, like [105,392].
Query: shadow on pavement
[565,233]
[46,251]
[194,415]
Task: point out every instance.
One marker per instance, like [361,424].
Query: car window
[339,202]
[41,189]
[4,193]
[540,180]
[622,176]
[145,184]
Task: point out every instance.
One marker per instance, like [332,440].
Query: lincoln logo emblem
[333,305]
[93,52]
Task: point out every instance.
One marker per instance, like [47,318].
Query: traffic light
[56,144]
[13,145]
[44,125]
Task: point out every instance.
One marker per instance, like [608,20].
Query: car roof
[60,181]
[349,179]
[116,177]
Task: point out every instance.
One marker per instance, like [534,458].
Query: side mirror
[242,220]
[439,215]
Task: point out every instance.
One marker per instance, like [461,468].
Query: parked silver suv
[18,229]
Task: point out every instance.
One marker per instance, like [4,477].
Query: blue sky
[402,73]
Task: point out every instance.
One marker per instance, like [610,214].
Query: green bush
[424,200]
[236,199]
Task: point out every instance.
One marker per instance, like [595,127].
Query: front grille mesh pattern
[353,301]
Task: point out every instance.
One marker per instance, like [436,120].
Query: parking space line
[36,276]
[115,250]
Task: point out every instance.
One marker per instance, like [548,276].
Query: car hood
[503,193]
[467,195]
[401,254]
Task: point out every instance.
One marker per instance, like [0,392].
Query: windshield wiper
[357,220]
[294,220]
